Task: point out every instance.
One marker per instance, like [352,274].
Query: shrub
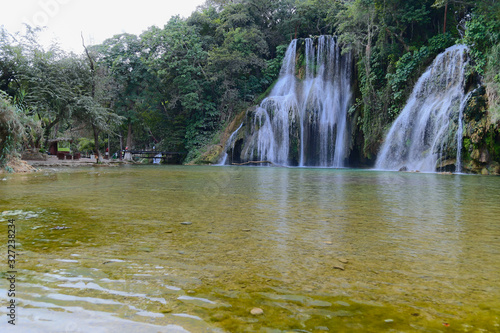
[11,129]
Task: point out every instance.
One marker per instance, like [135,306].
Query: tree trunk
[368,56]
[121,146]
[400,38]
[129,136]
[96,143]
[128,156]
[46,132]
[94,127]
[445,14]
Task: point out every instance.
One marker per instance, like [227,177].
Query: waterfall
[157,159]
[229,145]
[304,121]
[423,131]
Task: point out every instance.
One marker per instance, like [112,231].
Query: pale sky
[97,19]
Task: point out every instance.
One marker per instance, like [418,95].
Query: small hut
[61,148]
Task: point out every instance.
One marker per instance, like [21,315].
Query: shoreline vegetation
[17,165]
[180,87]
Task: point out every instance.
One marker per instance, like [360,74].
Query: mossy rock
[494,168]
[475,154]
[477,105]
[476,130]
[210,156]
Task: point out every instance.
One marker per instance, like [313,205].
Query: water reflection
[197,248]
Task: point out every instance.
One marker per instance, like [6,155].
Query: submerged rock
[165,309]
[257,311]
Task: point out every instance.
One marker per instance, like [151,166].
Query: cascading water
[303,122]
[423,130]
[229,145]
[157,159]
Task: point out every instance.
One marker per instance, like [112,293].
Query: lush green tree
[178,60]
[358,24]
[314,17]
[270,17]
[482,34]
[176,86]
[94,104]
[123,56]
[51,89]
[15,63]
[10,58]
[11,129]
[237,66]
[206,21]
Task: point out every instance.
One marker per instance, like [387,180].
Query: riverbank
[22,166]
[17,166]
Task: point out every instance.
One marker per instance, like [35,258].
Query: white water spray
[229,145]
[303,122]
[422,131]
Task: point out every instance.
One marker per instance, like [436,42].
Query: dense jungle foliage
[178,86]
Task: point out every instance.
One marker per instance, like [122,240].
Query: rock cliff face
[481,145]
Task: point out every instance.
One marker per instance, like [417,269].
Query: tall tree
[51,89]
[94,107]
[124,56]
[11,129]
[178,60]
[358,25]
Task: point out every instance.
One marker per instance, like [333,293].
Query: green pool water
[195,249]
